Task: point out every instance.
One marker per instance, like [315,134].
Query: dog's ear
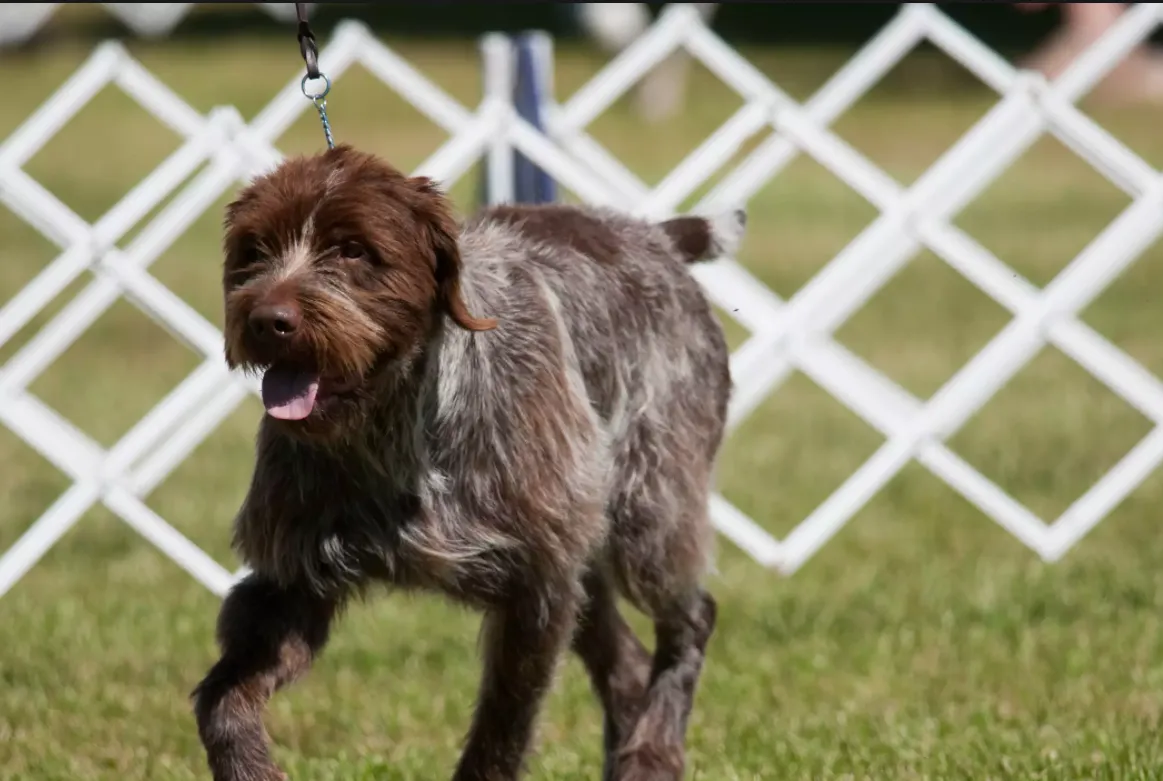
[442,238]
[239,247]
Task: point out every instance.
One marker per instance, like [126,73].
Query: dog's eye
[249,254]
[247,261]
[353,250]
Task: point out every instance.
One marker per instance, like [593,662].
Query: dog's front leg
[523,640]
[268,635]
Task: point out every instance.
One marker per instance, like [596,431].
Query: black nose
[275,321]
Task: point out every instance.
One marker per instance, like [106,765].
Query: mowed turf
[922,642]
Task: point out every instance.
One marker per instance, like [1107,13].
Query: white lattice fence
[786,335]
[796,334]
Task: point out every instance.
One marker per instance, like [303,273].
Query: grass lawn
[922,642]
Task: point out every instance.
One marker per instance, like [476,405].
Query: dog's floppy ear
[442,237]
[239,246]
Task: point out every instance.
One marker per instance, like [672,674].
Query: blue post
[530,87]
[531,184]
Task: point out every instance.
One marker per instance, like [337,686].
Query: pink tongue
[289,394]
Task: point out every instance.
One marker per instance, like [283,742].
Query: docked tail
[706,238]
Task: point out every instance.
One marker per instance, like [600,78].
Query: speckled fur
[533,465]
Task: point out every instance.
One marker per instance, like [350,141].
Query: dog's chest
[326,520]
[342,523]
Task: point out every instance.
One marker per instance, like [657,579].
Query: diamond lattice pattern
[220,149]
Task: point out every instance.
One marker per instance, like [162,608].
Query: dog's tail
[706,238]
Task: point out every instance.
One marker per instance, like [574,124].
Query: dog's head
[336,265]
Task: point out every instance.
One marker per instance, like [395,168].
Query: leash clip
[310,52]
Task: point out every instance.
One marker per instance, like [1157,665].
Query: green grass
[922,642]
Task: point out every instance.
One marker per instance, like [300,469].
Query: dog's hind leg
[269,636]
[618,665]
[656,750]
[659,546]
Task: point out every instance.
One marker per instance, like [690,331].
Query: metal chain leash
[310,52]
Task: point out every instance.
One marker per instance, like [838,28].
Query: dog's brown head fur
[335,265]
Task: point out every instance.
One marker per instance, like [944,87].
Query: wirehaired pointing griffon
[521,413]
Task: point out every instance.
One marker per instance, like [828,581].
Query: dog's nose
[275,321]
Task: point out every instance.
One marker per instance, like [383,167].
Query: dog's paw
[274,774]
[647,763]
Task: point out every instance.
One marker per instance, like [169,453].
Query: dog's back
[646,339]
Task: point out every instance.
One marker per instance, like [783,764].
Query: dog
[521,413]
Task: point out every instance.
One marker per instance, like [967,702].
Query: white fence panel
[797,334]
[785,335]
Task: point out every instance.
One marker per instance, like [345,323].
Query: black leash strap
[307,45]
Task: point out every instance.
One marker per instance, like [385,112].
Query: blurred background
[922,641]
